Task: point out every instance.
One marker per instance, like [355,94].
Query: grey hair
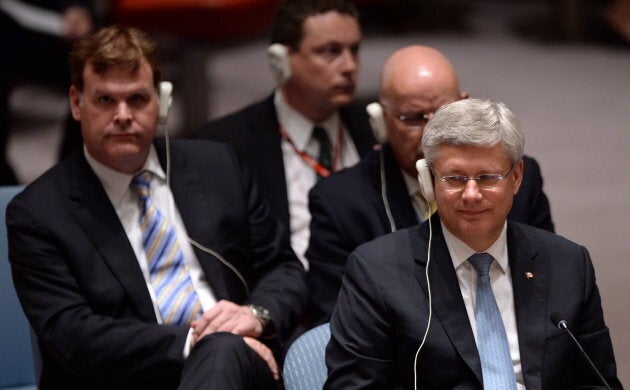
[478,122]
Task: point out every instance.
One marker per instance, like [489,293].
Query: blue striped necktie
[176,297]
[492,343]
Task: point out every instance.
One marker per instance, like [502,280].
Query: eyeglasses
[414,120]
[486,181]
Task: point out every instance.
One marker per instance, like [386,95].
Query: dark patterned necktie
[325,156]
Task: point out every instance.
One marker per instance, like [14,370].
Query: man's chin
[130,153]
[341,100]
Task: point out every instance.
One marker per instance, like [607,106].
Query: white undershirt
[299,176]
[501,282]
[116,185]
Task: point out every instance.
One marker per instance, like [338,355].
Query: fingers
[227,316]
[205,325]
[265,354]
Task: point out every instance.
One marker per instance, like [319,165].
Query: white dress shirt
[125,202]
[501,282]
[300,177]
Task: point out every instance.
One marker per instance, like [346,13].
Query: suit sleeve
[67,322]
[360,353]
[279,278]
[593,335]
[539,209]
[327,254]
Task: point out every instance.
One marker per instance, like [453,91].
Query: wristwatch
[261,314]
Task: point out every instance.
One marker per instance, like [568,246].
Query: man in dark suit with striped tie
[144,265]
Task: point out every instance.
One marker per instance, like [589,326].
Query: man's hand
[227,316]
[265,353]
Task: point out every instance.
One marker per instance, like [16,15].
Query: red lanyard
[312,162]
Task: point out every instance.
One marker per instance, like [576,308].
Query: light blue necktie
[492,343]
[176,297]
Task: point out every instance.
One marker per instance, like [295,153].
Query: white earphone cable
[426,331]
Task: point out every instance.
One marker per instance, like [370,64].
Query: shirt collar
[298,127]
[460,252]
[116,184]
[413,187]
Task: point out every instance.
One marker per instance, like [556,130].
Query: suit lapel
[370,168]
[95,214]
[197,213]
[529,279]
[448,305]
[356,120]
[266,152]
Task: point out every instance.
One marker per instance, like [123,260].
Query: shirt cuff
[188,342]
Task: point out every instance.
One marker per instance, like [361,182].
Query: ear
[464,95]
[518,176]
[75,103]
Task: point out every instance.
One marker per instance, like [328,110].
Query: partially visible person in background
[617,14]
[306,128]
[35,39]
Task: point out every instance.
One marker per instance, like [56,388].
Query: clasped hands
[227,316]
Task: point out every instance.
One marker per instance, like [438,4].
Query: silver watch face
[261,313]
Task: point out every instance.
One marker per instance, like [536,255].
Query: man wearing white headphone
[464,300]
[314,58]
[381,194]
[136,269]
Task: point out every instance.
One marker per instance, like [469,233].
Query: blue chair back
[305,366]
[17,369]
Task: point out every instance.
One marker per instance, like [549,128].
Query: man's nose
[123,113]
[349,61]
[471,191]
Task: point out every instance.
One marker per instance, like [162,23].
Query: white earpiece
[278,56]
[166,99]
[377,121]
[425,180]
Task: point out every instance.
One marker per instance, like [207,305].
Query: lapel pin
[529,275]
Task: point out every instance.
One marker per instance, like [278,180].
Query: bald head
[415,82]
[418,72]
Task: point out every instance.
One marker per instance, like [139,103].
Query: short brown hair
[114,46]
[291,14]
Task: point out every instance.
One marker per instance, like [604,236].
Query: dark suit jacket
[382,313]
[254,134]
[347,210]
[82,288]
